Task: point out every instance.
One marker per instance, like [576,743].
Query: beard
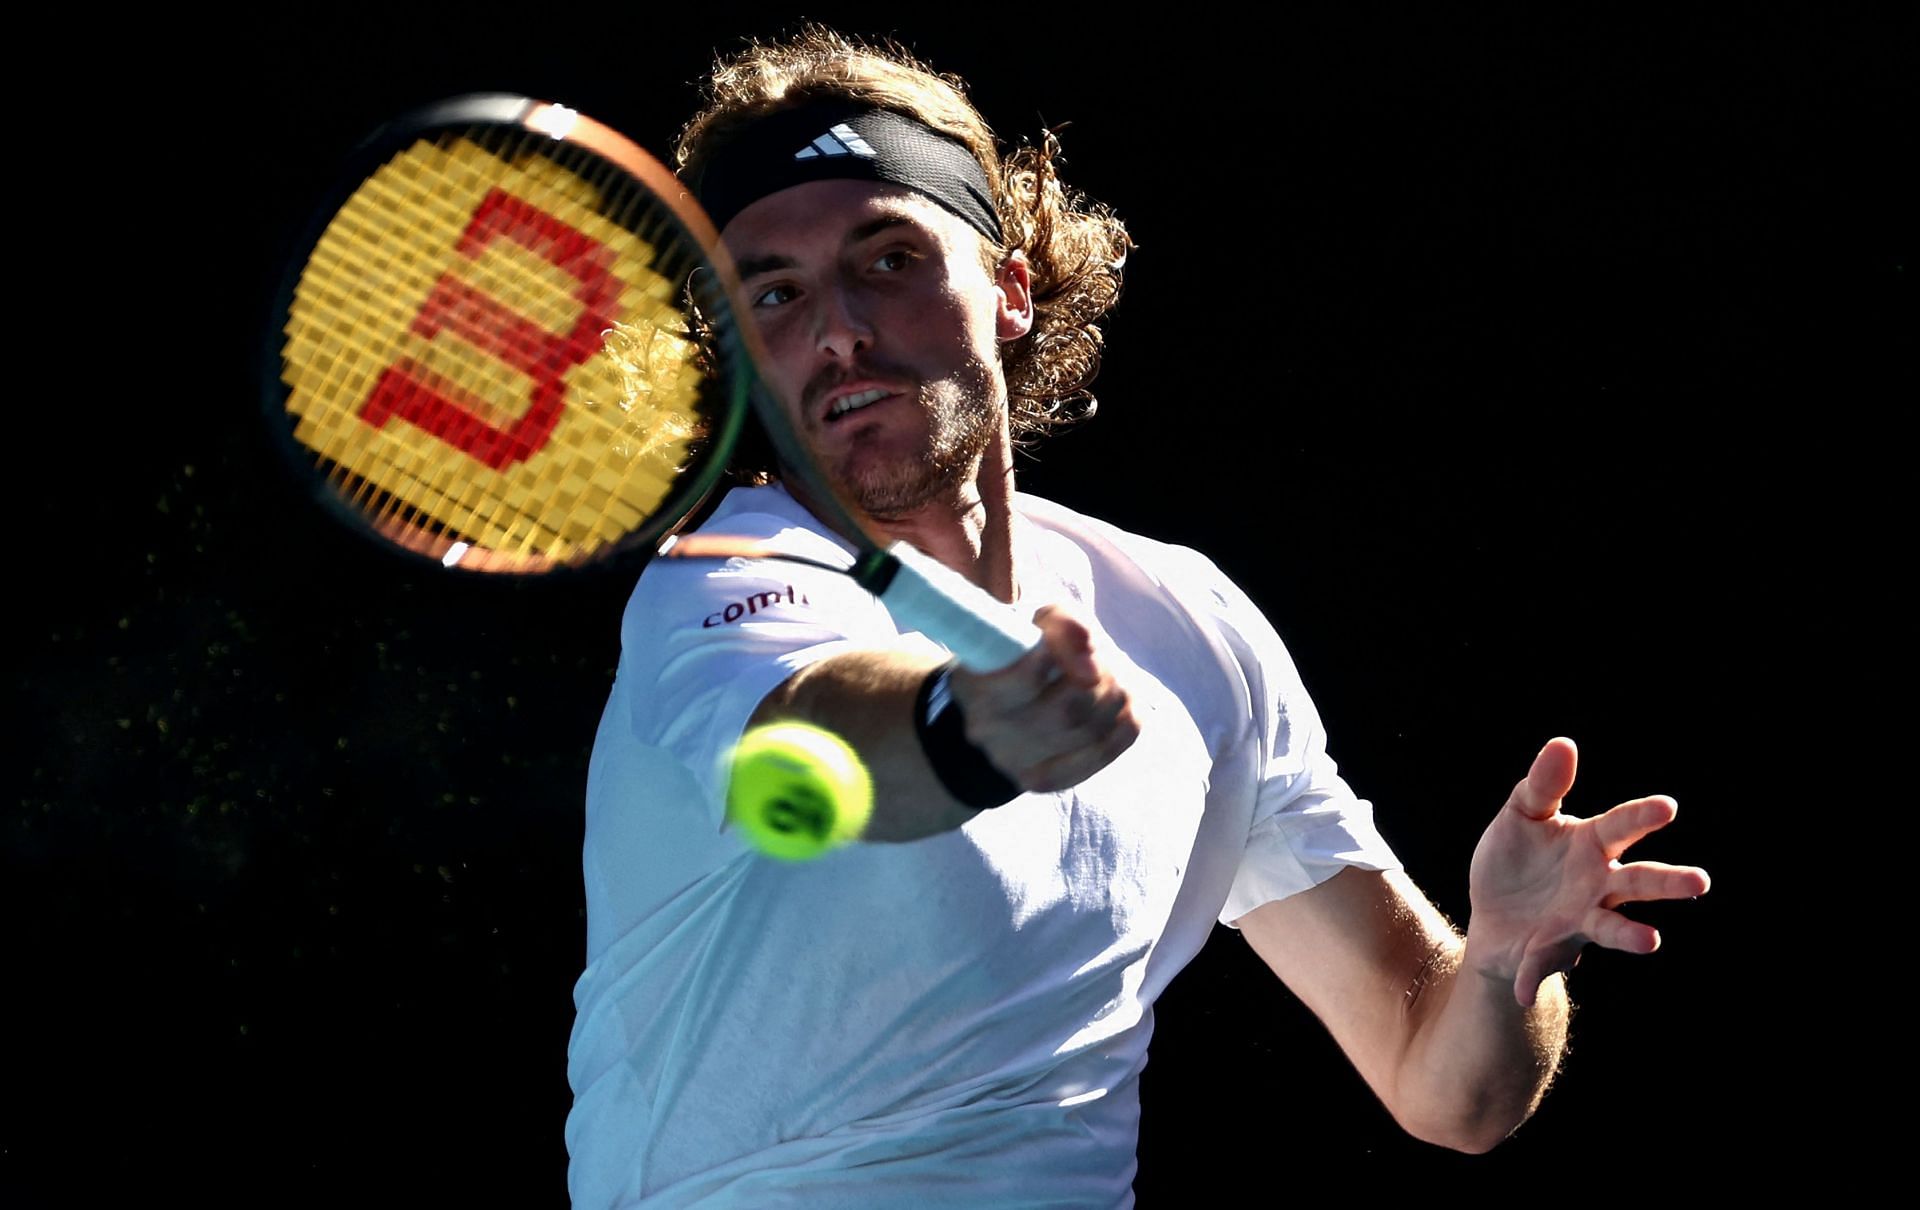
[962,414]
[959,426]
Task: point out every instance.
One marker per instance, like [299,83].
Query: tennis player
[957,1013]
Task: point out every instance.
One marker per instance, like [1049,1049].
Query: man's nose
[844,328]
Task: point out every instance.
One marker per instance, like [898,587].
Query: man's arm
[1051,720]
[1450,1053]
[1459,1039]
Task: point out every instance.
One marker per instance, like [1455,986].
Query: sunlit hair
[1076,248]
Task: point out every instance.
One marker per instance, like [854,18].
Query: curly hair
[1076,248]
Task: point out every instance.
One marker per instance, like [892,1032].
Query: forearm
[1477,1063]
[1449,1053]
[867,698]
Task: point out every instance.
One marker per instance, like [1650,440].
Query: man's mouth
[854,401]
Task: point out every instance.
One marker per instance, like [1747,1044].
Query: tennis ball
[798,791]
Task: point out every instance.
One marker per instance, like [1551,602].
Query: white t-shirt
[957,1021]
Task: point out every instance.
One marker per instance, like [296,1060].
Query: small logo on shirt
[736,610]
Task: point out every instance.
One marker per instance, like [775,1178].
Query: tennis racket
[512,346]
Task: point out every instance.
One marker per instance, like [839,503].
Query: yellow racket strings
[448,352]
[554,495]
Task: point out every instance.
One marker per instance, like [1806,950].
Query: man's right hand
[1049,721]
[1055,717]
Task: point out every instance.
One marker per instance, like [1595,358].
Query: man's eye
[893,262]
[773,296]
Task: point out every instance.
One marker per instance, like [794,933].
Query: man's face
[880,323]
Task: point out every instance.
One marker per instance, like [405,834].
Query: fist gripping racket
[512,346]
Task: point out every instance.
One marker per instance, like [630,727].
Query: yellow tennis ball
[798,791]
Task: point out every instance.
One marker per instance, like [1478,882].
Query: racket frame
[505,113]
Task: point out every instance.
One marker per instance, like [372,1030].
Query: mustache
[834,377]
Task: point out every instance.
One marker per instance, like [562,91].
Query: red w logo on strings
[462,311]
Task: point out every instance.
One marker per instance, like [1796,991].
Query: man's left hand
[1544,884]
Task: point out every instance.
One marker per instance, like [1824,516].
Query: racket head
[508,342]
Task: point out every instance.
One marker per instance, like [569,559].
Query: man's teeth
[850,403]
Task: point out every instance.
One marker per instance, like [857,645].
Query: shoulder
[1181,573]
[703,595]
[764,515]
[769,514]
[1221,620]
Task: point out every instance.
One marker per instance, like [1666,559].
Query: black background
[1536,375]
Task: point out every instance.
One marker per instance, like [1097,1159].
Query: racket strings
[602,472]
[497,501]
[389,475]
[527,524]
[396,506]
[660,422]
[665,424]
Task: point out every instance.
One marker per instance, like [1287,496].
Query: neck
[969,529]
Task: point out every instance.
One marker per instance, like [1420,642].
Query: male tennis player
[961,1018]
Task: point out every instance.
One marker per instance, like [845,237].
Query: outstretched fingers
[1613,931]
[1539,793]
[1644,881]
[1627,824]
[1607,929]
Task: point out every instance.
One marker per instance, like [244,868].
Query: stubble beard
[960,424]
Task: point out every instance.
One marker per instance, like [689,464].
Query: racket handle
[983,633]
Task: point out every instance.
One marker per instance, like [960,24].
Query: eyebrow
[754,266]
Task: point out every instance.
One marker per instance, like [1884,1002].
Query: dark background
[1536,375]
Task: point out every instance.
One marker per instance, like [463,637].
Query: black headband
[834,139]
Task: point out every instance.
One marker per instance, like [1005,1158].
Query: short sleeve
[702,644]
[1307,823]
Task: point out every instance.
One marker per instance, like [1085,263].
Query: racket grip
[983,633]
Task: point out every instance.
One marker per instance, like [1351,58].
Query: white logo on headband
[841,140]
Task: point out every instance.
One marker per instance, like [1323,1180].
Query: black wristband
[961,767]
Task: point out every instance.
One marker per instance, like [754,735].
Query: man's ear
[1013,281]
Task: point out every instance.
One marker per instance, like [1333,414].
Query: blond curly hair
[1076,248]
